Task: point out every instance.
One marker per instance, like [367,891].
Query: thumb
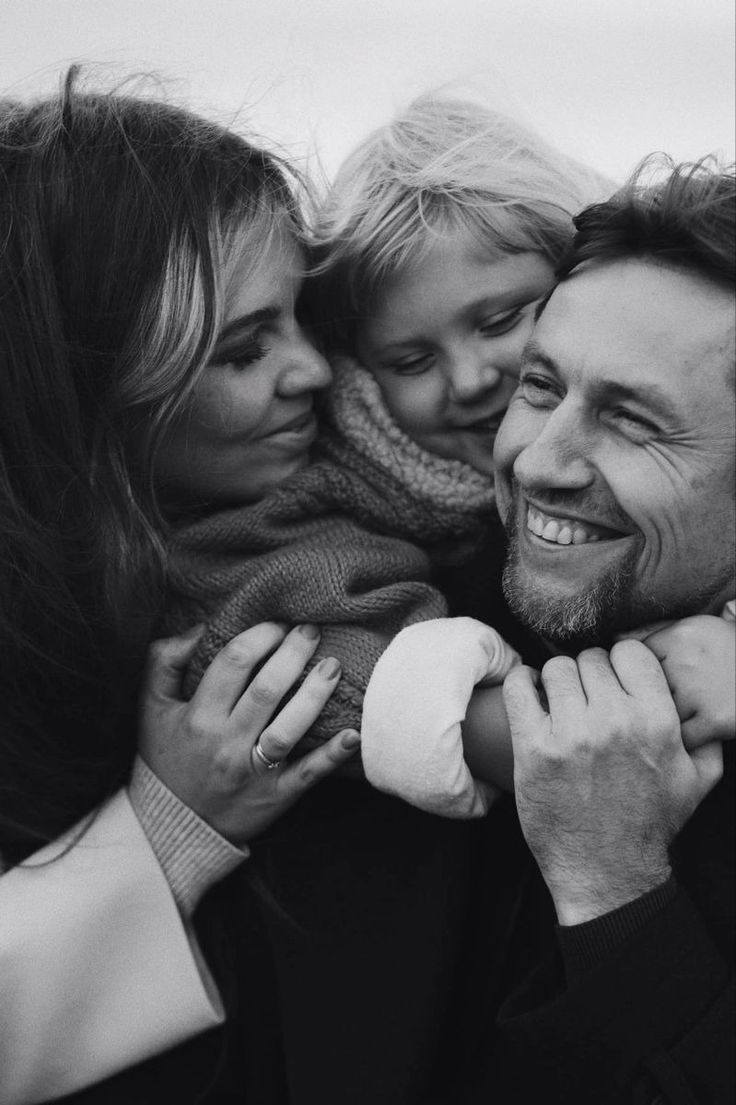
[501,658]
[167,662]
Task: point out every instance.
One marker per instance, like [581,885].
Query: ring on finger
[267,763]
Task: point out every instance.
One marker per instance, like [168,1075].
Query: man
[615,482]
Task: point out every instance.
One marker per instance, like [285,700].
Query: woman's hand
[223,752]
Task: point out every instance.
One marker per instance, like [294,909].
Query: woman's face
[250,421]
[444,341]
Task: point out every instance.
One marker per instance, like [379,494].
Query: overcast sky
[608,82]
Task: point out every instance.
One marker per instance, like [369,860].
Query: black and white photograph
[367,552]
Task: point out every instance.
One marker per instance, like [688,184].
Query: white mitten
[414,704]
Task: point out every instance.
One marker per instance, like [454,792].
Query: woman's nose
[307,369]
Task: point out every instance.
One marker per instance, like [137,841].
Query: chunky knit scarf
[348,543]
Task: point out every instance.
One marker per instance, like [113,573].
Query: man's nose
[558,457]
[471,375]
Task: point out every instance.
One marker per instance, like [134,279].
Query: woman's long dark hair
[117,219]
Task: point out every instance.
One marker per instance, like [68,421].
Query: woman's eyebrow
[245,322]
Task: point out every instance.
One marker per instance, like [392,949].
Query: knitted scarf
[347,543]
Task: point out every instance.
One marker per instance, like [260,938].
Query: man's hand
[603,781]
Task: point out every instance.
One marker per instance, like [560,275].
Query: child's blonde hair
[442,164]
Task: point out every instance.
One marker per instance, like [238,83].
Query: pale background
[608,82]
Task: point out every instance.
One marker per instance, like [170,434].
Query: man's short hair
[686,220]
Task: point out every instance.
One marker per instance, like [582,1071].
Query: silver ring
[268,764]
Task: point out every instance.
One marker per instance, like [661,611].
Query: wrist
[581,902]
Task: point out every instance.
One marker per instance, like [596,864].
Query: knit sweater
[348,543]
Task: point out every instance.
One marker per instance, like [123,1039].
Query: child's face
[444,342]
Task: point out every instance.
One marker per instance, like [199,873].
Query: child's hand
[698,656]
[414,705]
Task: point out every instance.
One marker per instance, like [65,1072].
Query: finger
[223,682]
[640,674]
[563,686]
[598,676]
[708,763]
[320,763]
[299,714]
[501,659]
[696,731]
[278,675]
[643,631]
[527,717]
[166,663]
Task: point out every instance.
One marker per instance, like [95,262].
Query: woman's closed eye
[245,353]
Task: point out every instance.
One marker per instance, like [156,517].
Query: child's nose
[471,375]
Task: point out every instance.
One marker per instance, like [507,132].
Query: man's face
[615,462]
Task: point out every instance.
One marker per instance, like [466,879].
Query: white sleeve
[97,969]
[416,699]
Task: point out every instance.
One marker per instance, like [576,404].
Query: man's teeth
[561,533]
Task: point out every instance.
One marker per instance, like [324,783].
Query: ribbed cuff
[583,946]
[192,855]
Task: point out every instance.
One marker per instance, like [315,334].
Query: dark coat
[399,959]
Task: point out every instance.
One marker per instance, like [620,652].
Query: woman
[152,272]
[150,268]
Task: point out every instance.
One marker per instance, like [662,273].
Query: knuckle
[561,672]
[237,652]
[595,655]
[263,693]
[307,773]
[560,665]
[198,723]
[227,768]
[631,651]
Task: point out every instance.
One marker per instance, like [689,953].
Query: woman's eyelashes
[245,353]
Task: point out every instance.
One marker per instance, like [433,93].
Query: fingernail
[311,632]
[330,668]
[350,739]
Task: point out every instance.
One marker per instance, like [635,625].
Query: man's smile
[564,529]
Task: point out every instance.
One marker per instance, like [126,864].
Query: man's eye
[502,325]
[641,424]
[537,388]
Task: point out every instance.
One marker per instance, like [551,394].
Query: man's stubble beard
[591,618]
